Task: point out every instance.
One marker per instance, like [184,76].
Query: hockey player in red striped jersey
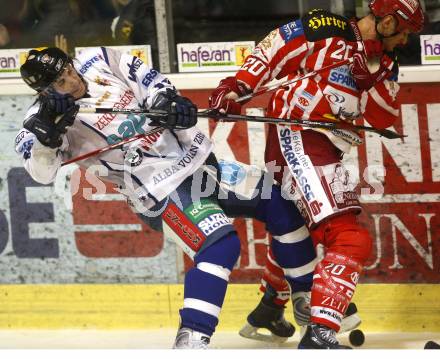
[310,160]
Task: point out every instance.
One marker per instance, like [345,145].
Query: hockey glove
[364,78]
[359,67]
[179,112]
[58,103]
[224,96]
[48,127]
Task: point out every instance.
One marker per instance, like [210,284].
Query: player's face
[400,39]
[69,82]
[393,36]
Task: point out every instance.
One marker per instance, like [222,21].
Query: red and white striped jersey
[318,39]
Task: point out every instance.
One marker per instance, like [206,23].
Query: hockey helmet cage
[408,13]
[42,67]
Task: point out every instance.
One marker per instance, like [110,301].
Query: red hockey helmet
[408,13]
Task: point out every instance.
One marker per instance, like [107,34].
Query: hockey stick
[210,113]
[111,147]
[273,87]
[339,125]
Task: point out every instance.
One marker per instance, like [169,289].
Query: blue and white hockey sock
[292,248]
[206,283]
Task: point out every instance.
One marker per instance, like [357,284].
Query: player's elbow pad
[43,164]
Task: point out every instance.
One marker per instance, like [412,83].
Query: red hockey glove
[363,77]
[359,69]
[224,96]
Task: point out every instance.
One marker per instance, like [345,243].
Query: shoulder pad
[291,30]
[320,24]
[89,58]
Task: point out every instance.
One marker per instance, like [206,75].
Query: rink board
[382,307]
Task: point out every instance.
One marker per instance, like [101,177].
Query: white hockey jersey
[151,168]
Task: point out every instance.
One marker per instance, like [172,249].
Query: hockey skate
[268,317]
[320,337]
[190,339]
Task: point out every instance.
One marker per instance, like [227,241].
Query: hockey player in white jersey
[170,174]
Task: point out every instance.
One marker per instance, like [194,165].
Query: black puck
[432,345]
[356,338]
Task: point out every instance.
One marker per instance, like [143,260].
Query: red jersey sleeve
[279,54]
[379,104]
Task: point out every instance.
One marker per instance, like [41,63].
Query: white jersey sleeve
[41,162]
[145,82]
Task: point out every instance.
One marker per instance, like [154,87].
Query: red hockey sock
[273,275]
[334,284]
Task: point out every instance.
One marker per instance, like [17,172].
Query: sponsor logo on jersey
[266,43]
[332,303]
[303,101]
[107,118]
[232,173]
[291,30]
[298,164]
[322,25]
[102,82]
[166,173]
[189,156]
[134,157]
[89,63]
[341,76]
[20,136]
[186,160]
[342,188]
[148,141]
[25,149]
[335,98]
[354,277]
[184,228]
[213,222]
[317,22]
[307,95]
[24,142]
[198,211]
[148,79]
[133,67]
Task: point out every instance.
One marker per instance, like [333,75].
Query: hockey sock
[206,283]
[274,282]
[295,254]
[334,284]
[292,255]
